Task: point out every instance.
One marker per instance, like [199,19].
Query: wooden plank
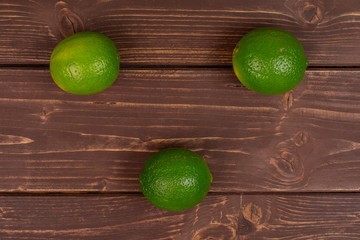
[107,217]
[300,216]
[306,140]
[257,216]
[171,32]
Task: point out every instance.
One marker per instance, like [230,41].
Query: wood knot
[311,14]
[300,138]
[252,213]
[67,21]
[215,231]
[309,11]
[288,166]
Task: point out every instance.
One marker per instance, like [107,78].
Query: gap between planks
[26,66]
[135,193]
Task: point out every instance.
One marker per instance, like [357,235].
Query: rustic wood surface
[255,216]
[172,32]
[54,141]
[284,167]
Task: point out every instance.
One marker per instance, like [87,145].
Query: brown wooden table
[284,167]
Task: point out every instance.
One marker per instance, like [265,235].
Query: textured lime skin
[175,179]
[85,63]
[269,61]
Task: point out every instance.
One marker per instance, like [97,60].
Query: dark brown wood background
[284,167]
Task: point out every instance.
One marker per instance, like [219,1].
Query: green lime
[269,61]
[175,179]
[85,63]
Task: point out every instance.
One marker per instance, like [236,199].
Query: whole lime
[85,63]
[175,179]
[269,61]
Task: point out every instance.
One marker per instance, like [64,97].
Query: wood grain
[305,140]
[171,32]
[131,217]
[108,217]
[300,216]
